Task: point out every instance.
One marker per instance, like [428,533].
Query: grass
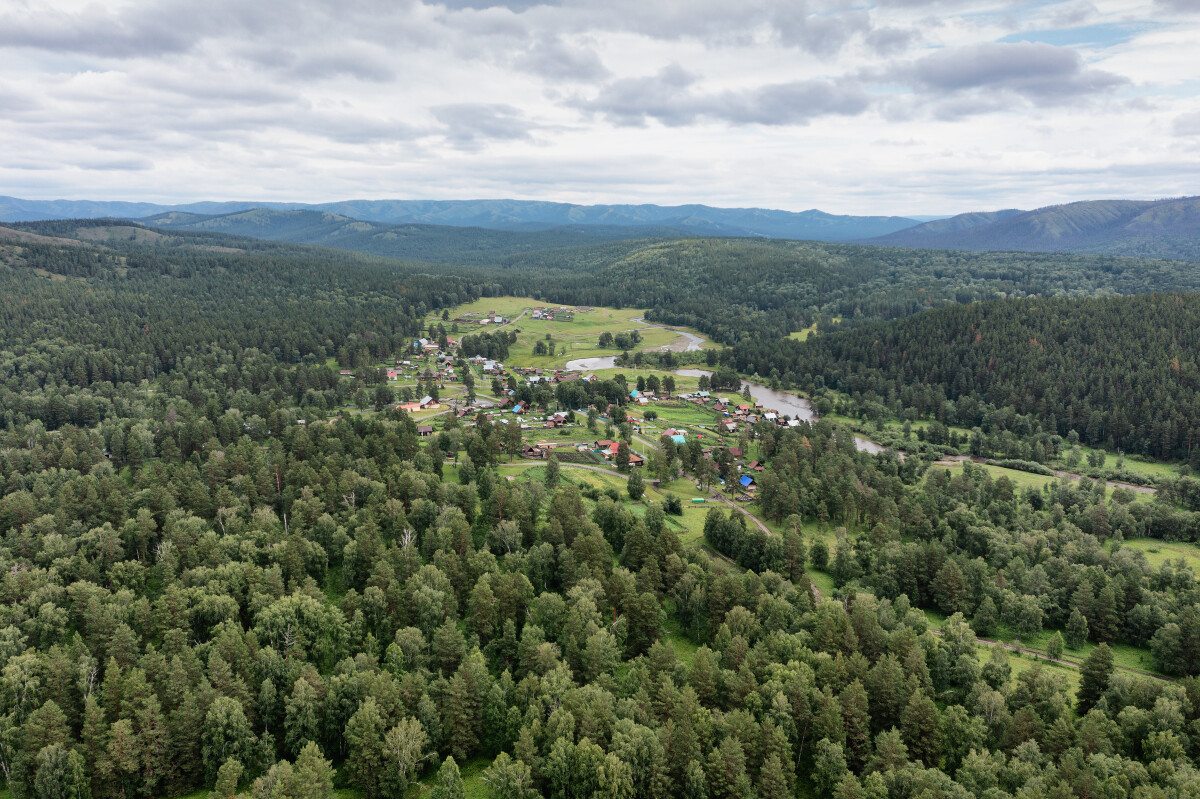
[823,581]
[575,339]
[1158,552]
[203,793]
[1021,663]
[674,636]
[1036,481]
[802,335]
[1132,463]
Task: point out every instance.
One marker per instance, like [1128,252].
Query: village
[562,413]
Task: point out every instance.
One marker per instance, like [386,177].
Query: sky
[891,107]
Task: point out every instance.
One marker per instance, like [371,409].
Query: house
[409,406]
[635,394]
[735,452]
[730,427]
[679,439]
[771,416]
[425,430]
[590,378]
[427,401]
[643,401]
[635,459]
[744,408]
[346,373]
[746,481]
[755,465]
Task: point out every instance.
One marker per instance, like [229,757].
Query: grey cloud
[1179,6]
[820,34]
[118,165]
[469,125]
[890,41]
[363,66]
[555,59]
[1041,73]
[1187,125]
[96,31]
[668,98]
[516,6]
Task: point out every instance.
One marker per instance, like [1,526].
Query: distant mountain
[956,224]
[520,215]
[1158,229]
[435,243]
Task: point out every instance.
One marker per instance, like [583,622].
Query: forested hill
[735,289]
[143,305]
[440,243]
[519,215]
[1158,229]
[224,568]
[1122,372]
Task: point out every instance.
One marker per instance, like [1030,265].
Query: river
[778,401]
[786,405]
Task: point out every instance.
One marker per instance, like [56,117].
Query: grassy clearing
[802,335]
[674,636]
[1036,481]
[1021,663]
[577,338]
[1158,552]
[823,582]
[1134,463]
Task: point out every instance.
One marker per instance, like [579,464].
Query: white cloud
[900,106]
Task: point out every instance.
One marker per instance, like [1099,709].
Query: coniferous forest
[231,563]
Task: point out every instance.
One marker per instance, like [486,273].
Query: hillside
[1120,372]
[735,289]
[440,243]
[516,215]
[1159,229]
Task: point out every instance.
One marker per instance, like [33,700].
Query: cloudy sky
[895,106]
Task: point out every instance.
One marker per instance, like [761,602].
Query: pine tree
[1077,630]
[1094,677]
[449,782]
[228,777]
[772,784]
[364,744]
[922,729]
[635,485]
[857,720]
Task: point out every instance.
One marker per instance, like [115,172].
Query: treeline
[739,290]
[1117,372]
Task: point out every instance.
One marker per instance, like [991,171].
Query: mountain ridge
[1167,228]
[506,215]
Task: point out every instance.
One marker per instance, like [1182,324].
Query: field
[1158,552]
[573,339]
[1036,481]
